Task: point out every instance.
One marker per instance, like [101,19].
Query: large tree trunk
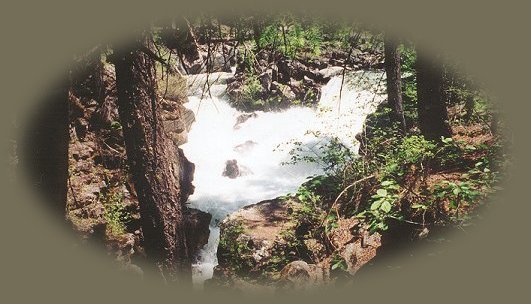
[394,83]
[432,112]
[45,149]
[150,153]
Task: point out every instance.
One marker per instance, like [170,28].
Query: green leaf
[381,192]
[387,183]
[376,205]
[386,207]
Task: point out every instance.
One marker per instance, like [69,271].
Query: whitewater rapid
[261,145]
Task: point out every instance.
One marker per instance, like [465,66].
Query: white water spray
[261,145]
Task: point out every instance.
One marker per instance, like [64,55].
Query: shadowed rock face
[198,231]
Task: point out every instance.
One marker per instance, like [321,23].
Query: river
[261,143]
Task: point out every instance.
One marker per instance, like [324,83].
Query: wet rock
[188,118]
[177,122]
[81,127]
[265,79]
[91,191]
[245,147]
[177,131]
[186,176]
[330,72]
[287,93]
[231,169]
[242,118]
[198,231]
[283,68]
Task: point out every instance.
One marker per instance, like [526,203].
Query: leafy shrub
[383,206]
[456,194]
[251,89]
[115,214]
[291,39]
[233,249]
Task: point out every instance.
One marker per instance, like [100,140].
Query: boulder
[301,275]
[231,169]
[265,79]
[263,248]
[261,237]
[242,118]
[245,147]
[330,72]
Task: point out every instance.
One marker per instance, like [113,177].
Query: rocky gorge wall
[101,202]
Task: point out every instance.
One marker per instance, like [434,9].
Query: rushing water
[261,145]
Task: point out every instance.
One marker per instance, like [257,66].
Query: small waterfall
[260,143]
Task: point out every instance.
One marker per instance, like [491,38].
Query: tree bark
[394,82]
[149,154]
[432,112]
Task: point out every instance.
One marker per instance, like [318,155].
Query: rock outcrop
[279,81]
[102,203]
[198,228]
[261,243]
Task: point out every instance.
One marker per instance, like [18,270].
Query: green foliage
[394,160]
[234,249]
[251,89]
[253,97]
[408,59]
[341,36]
[338,263]
[384,205]
[115,214]
[332,155]
[289,37]
[116,125]
[456,193]
[309,215]
[451,152]
[412,150]
[415,149]
[409,81]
